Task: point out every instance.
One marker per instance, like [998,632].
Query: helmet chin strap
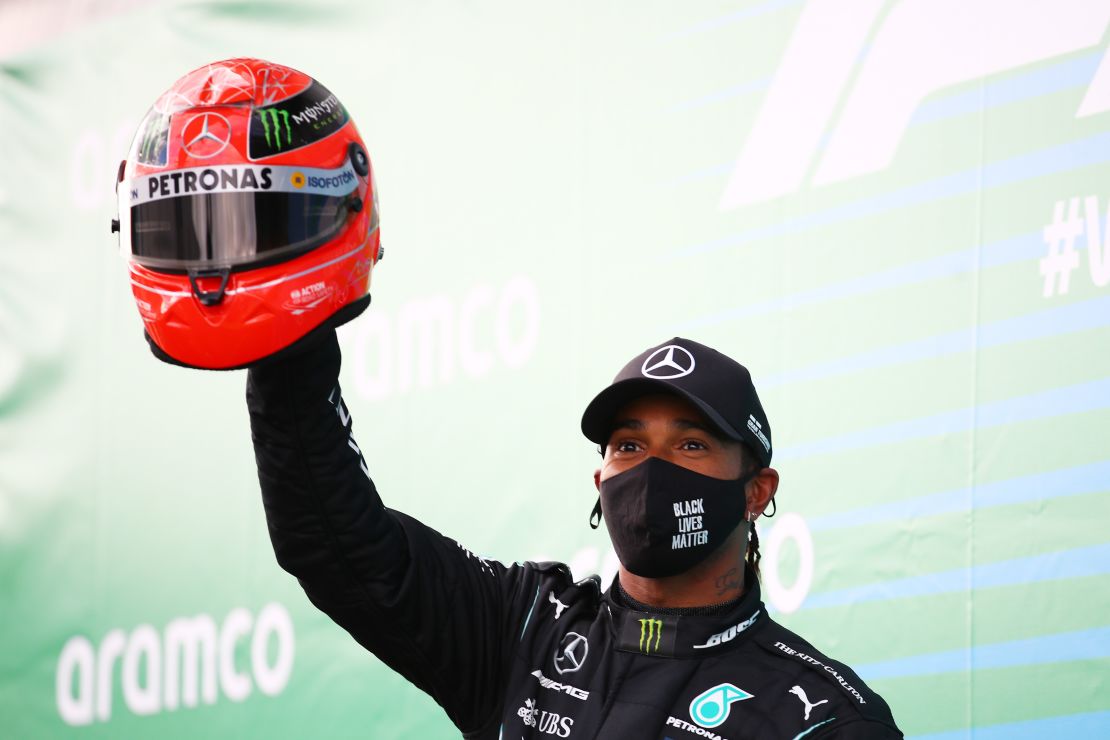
[209,297]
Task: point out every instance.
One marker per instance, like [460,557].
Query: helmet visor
[230,216]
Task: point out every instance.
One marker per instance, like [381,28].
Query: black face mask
[664,519]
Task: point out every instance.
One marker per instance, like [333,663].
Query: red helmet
[248,215]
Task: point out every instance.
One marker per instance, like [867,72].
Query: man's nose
[664,452]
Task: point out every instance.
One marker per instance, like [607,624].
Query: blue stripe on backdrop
[1071,73]
[1053,566]
[1088,725]
[1074,481]
[1071,399]
[1051,322]
[727,93]
[1073,155]
[1029,246]
[1064,646]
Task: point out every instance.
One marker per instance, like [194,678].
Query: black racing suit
[521,651]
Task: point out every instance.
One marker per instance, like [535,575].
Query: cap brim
[597,420]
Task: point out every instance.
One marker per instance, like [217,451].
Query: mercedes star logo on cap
[206,135]
[673,364]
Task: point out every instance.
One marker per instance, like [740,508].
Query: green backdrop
[895,213]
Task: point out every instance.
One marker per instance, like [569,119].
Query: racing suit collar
[685,635]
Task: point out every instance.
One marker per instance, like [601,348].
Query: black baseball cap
[716,384]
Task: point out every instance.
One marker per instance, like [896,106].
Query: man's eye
[693,444]
[626,447]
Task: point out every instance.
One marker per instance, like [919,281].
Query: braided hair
[751,464]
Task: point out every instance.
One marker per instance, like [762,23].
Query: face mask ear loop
[774,509]
[745,480]
[596,513]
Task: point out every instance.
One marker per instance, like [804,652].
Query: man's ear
[760,490]
[597,480]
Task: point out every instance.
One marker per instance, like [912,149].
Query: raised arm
[424,605]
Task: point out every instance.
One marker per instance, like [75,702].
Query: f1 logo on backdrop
[920,47]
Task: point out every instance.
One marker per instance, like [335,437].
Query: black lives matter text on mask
[691,528]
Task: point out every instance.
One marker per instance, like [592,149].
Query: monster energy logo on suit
[648,634]
[650,628]
[307,117]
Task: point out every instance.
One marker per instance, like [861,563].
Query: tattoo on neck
[730,581]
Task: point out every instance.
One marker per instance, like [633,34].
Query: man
[679,646]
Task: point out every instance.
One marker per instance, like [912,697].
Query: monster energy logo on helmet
[277,120]
[650,629]
[307,117]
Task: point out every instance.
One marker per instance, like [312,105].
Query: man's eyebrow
[693,424]
[637,424]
